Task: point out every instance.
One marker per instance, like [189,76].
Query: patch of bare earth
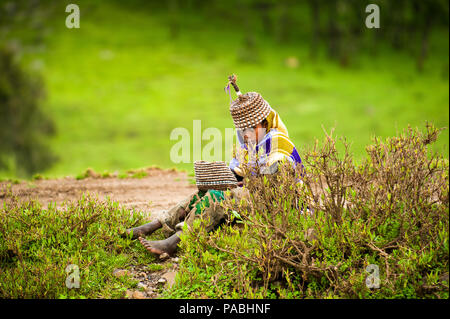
[157,191]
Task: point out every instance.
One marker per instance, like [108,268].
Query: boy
[263,140]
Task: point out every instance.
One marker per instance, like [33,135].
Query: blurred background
[108,95]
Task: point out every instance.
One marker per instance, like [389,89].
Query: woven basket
[214,175]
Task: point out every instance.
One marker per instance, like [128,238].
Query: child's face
[253,135]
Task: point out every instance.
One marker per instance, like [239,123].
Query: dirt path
[157,191]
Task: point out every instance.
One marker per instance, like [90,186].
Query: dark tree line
[336,26]
[24,126]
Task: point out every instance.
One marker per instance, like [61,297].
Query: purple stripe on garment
[268,144]
[296,156]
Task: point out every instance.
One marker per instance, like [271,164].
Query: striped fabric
[274,147]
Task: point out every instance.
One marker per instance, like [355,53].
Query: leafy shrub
[316,238]
[37,244]
[24,127]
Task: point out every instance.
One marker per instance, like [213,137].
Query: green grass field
[120,84]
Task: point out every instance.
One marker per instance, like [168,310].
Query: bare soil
[157,191]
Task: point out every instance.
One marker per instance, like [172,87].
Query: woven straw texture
[213,175]
[249,111]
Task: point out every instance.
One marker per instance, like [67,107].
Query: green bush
[24,127]
[37,244]
[390,211]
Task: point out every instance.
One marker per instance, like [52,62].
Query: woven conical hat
[249,110]
[214,175]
